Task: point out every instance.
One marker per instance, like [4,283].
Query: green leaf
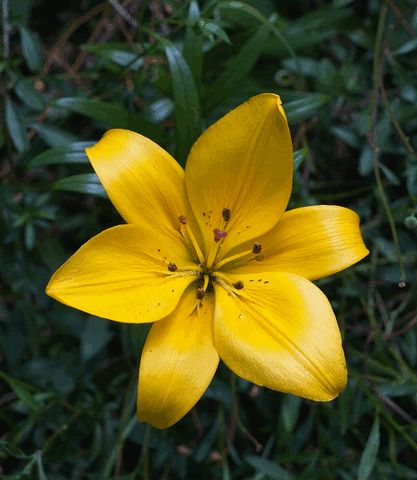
[120,53]
[304,107]
[305,65]
[347,135]
[159,110]
[282,38]
[206,446]
[193,45]
[211,28]
[27,92]
[299,157]
[370,452]
[54,136]
[15,126]
[290,410]
[268,468]
[187,102]
[275,48]
[22,391]
[113,115]
[73,153]
[30,235]
[193,11]
[390,174]
[31,49]
[398,390]
[366,161]
[87,183]
[406,47]
[93,339]
[236,71]
[41,472]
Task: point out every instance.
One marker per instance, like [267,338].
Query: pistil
[218,240]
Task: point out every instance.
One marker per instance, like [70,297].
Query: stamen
[201,291]
[188,269]
[187,232]
[226,283]
[226,214]
[256,249]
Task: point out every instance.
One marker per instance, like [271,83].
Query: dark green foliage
[347,74]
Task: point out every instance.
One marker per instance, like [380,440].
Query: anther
[226,214]
[200,293]
[172,267]
[238,285]
[257,248]
[183,219]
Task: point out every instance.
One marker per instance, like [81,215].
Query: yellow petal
[243,162]
[312,242]
[281,333]
[178,362]
[143,181]
[122,274]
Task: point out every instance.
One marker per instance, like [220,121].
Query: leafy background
[346,72]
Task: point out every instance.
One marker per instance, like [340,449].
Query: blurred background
[346,73]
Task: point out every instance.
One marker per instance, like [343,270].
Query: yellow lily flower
[209,255]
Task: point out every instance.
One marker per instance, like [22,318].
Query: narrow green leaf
[370,452]
[211,28]
[237,70]
[22,391]
[366,161]
[28,467]
[290,409]
[390,175]
[406,47]
[193,45]
[304,107]
[31,49]
[54,136]
[74,153]
[41,472]
[187,102]
[193,11]
[299,157]
[348,135]
[309,66]
[94,338]
[399,390]
[30,235]
[159,110]
[120,53]
[113,115]
[206,446]
[87,183]
[27,92]
[243,7]
[268,467]
[15,126]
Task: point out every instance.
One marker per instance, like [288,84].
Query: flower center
[207,269]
